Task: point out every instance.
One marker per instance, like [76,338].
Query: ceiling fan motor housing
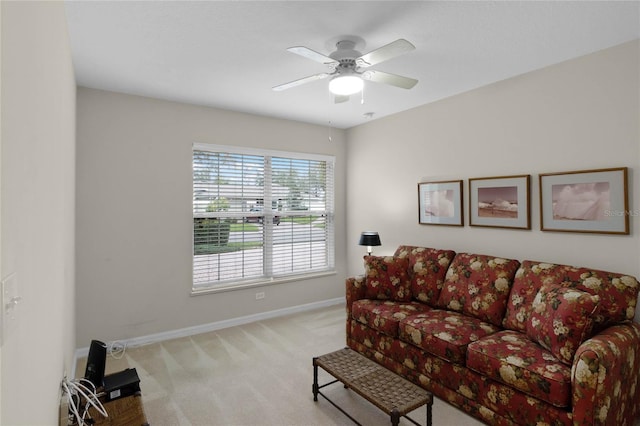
[346,54]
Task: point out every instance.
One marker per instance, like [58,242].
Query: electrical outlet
[260,295]
[63,419]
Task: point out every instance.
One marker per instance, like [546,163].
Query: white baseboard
[204,328]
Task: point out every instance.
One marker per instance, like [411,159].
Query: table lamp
[369,239]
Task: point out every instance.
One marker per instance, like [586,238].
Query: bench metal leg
[395,417]
[315,380]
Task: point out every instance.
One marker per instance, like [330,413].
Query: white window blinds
[260,215]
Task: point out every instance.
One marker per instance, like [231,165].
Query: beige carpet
[255,374]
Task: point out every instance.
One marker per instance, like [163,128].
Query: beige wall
[134,214]
[580,114]
[134,193]
[1,274]
[38,211]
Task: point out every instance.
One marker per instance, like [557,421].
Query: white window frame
[268,226]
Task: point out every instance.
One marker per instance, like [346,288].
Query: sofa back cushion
[427,269]
[386,278]
[618,293]
[561,319]
[479,286]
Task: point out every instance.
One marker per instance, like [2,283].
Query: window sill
[221,288]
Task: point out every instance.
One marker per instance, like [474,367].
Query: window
[260,216]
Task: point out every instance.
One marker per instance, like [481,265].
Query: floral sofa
[508,342]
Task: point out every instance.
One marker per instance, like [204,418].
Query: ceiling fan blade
[313,55]
[384,53]
[388,78]
[340,99]
[300,81]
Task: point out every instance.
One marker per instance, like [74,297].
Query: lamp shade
[369,238]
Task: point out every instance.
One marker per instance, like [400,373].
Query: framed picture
[593,201]
[500,202]
[440,203]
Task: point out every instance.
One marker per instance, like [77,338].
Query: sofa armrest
[606,377]
[355,290]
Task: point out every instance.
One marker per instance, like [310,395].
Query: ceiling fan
[348,67]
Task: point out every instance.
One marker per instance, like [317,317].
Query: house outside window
[260,216]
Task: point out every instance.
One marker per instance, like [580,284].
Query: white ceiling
[228,54]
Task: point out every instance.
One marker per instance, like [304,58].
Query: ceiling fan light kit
[347,67]
[345,85]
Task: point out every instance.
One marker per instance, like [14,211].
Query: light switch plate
[9,303]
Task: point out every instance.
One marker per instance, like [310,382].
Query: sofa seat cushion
[427,269]
[479,286]
[387,278]
[385,315]
[443,333]
[512,358]
[618,293]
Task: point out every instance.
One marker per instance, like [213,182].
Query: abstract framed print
[594,201]
[440,203]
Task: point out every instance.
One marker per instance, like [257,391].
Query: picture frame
[500,202]
[440,203]
[590,201]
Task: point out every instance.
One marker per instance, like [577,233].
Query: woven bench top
[378,385]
